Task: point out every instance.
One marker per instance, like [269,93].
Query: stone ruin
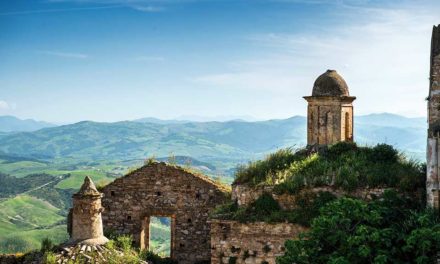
[84,221]
[330,110]
[163,190]
[433,149]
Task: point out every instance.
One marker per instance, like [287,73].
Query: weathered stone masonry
[329,111]
[250,243]
[433,146]
[84,221]
[163,190]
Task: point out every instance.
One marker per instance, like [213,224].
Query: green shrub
[46,245]
[267,209]
[111,233]
[49,258]
[265,204]
[384,153]
[111,244]
[154,258]
[124,242]
[389,229]
[334,151]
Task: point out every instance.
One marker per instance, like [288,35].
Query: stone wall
[163,190]
[250,243]
[245,194]
[433,146]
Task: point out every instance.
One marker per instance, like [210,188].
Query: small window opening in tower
[160,236]
[347,127]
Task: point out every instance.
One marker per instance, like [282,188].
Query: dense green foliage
[46,245]
[266,209]
[392,229]
[343,165]
[12,186]
[155,258]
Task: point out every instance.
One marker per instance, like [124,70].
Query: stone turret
[330,111]
[85,222]
[433,149]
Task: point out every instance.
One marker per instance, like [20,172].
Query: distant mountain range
[14,124]
[206,141]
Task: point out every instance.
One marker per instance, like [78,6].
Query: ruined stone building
[433,148]
[330,111]
[164,190]
[85,222]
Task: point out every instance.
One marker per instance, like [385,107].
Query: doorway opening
[160,239]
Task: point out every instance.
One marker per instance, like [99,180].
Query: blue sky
[107,60]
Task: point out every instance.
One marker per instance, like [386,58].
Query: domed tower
[85,222]
[330,111]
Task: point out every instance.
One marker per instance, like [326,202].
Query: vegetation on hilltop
[343,165]
[391,229]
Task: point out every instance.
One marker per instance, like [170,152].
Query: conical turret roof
[88,188]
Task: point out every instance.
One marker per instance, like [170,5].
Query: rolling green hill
[206,141]
[25,221]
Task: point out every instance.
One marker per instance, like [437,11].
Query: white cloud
[383,54]
[65,54]
[4,105]
[148,9]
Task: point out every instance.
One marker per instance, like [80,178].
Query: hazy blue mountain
[206,141]
[12,124]
[391,120]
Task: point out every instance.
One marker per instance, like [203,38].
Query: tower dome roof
[330,83]
[88,188]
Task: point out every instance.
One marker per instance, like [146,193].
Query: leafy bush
[154,258]
[46,245]
[124,242]
[384,153]
[266,209]
[390,229]
[265,204]
[49,258]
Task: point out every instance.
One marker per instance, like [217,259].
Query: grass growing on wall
[267,209]
[343,165]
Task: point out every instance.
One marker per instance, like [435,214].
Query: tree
[387,230]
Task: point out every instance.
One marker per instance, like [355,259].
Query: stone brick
[330,111]
[159,189]
[250,243]
[432,162]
